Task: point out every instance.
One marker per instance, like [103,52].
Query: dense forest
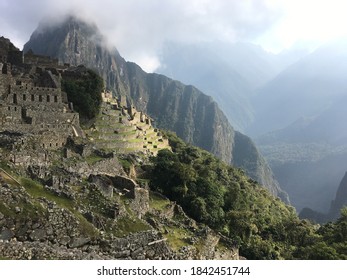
[83,89]
[225,199]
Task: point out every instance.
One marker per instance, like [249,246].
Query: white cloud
[139,28]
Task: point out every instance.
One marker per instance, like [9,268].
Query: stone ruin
[32,103]
[123,129]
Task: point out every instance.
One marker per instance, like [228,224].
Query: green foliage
[125,226]
[84,91]
[36,190]
[225,199]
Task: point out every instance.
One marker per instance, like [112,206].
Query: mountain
[6,46]
[340,200]
[336,206]
[194,116]
[310,155]
[328,127]
[305,89]
[228,72]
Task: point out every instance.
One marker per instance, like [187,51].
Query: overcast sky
[138,28]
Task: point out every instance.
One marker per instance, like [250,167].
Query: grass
[8,212]
[36,190]
[177,237]
[8,178]
[93,159]
[86,227]
[32,209]
[158,203]
[4,166]
[126,225]
[125,163]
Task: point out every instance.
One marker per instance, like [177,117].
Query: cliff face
[195,117]
[340,200]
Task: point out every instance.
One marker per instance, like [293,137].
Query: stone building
[32,102]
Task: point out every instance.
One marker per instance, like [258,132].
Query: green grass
[125,164]
[6,177]
[86,227]
[8,212]
[4,166]
[158,203]
[125,226]
[177,237]
[93,159]
[36,190]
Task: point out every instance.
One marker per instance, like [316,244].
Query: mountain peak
[69,22]
[67,39]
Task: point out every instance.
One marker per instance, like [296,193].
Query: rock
[1,216]
[38,235]
[122,254]
[135,254]
[6,234]
[64,240]
[22,232]
[79,242]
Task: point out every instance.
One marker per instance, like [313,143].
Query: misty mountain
[334,212]
[325,128]
[305,89]
[309,156]
[340,200]
[194,116]
[309,173]
[228,72]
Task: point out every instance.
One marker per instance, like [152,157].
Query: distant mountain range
[305,89]
[194,116]
[303,112]
[228,72]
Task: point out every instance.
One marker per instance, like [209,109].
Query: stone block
[6,234]
[38,235]
[79,242]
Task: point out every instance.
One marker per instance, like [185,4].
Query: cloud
[139,28]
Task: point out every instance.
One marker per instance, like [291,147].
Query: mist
[139,28]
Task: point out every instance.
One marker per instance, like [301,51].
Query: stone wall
[124,129]
[37,110]
[55,233]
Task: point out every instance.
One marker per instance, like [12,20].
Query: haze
[140,28]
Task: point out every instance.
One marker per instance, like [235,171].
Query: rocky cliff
[195,117]
[340,199]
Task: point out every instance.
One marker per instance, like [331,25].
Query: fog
[140,28]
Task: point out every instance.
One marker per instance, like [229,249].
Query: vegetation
[225,199]
[84,91]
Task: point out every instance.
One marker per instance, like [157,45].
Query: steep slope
[6,46]
[194,116]
[227,72]
[340,200]
[200,66]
